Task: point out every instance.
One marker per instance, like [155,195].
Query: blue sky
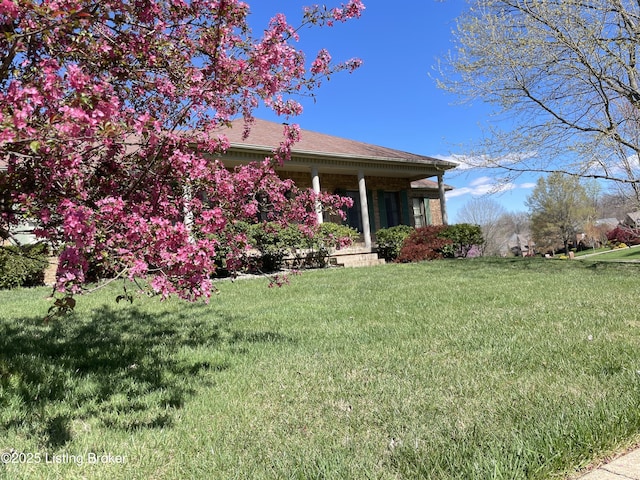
[393,100]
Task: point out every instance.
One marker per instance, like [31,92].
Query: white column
[315,184]
[443,202]
[364,209]
[187,197]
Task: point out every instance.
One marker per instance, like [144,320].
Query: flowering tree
[112,115]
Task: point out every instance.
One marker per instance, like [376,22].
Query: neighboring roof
[520,240]
[265,135]
[608,222]
[424,183]
[428,184]
[634,216]
[3,164]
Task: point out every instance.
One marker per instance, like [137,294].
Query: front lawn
[487,368]
[619,254]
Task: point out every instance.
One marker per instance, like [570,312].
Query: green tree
[560,205]
[566,76]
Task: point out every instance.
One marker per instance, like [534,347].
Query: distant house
[606,223]
[521,245]
[388,187]
[632,219]
[595,236]
[18,234]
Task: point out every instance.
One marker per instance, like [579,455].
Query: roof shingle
[269,134]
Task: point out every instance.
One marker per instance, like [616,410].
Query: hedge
[22,266]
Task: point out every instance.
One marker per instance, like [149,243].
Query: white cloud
[487,186]
[617,167]
[465,162]
[458,192]
[468,162]
[481,181]
[504,187]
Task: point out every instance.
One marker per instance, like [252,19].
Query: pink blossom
[8,9]
[353,9]
[321,63]
[77,79]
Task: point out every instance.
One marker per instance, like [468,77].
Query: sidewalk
[626,467]
[601,253]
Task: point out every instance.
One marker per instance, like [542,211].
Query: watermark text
[61,458]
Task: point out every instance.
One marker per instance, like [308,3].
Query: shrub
[274,242]
[334,235]
[390,241]
[464,237]
[309,248]
[23,266]
[622,234]
[424,243]
[430,243]
[328,236]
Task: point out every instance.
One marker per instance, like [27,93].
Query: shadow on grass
[123,368]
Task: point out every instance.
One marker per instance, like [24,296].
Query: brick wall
[50,271]
[436,212]
[330,182]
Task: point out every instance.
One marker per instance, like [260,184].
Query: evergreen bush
[22,266]
[464,236]
[276,242]
[390,240]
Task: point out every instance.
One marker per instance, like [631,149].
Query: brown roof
[424,183]
[267,135]
[428,184]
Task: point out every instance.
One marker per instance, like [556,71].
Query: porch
[358,255]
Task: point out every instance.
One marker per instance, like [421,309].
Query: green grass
[592,251]
[619,254]
[452,369]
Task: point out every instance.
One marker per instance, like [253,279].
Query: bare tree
[486,213]
[565,73]
[616,204]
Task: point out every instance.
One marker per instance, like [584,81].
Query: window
[421,212]
[354,217]
[392,208]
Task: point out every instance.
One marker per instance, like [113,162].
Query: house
[20,234]
[388,187]
[607,223]
[521,245]
[4,229]
[632,219]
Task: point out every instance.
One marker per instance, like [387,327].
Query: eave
[338,163]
